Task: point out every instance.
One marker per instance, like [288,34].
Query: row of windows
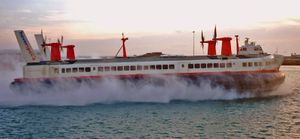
[119,68]
[255,64]
[209,65]
[81,69]
[159,67]
[138,67]
[250,64]
[255,49]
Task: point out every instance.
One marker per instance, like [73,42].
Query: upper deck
[143,59]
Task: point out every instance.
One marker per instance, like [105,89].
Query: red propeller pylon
[211,45]
[55,53]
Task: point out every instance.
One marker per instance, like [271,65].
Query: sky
[95,26]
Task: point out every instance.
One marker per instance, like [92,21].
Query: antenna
[193,42]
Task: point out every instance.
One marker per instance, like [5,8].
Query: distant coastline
[291,60]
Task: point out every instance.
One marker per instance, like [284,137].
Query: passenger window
[171,66]
[203,65]
[158,67]
[68,70]
[250,64]
[228,65]
[56,70]
[63,70]
[260,63]
[209,65]
[146,67]
[165,66]
[132,67]
[87,69]
[120,68]
[81,69]
[126,68]
[190,66]
[255,64]
[100,69]
[139,67]
[216,65]
[197,66]
[244,64]
[113,68]
[74,69]
[107,68]
[222,65]
[152,67]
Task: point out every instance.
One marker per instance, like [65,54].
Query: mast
[124,39]
[237,44]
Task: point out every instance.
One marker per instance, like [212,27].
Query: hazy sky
[95,26]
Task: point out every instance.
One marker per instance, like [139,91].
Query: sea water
[115,109]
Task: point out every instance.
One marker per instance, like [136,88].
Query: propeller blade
[215,33]
[62,39]
[44,48]
[45,41]
[43,36]
[202,39]
[60,44]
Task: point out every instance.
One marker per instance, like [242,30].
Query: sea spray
[111,90]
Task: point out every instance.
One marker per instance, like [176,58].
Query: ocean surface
[174,110]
